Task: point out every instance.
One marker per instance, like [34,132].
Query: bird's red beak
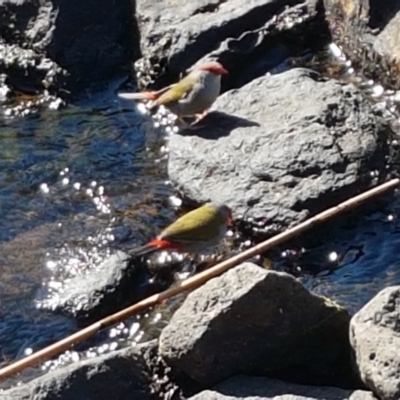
[222,71]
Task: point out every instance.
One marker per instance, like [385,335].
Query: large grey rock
[258,388]
[375,337]
[286,145]
[250,320]
[118,375]
[180,33]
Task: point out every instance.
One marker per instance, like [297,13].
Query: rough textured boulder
[374,335]
[179,33]
[115,284]
[258,388]
[118,375]
[286,145]
[250,320]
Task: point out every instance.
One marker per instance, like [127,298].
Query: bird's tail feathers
[139,96]
[151,247]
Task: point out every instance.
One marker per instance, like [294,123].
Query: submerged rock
[374,335]
[285,145]
[117,283]
[258,322]
[252,388]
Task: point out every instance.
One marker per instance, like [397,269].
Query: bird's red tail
[151,247]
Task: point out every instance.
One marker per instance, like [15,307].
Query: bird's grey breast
[203,95]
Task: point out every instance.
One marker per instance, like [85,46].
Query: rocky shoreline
[283,146]
[249,332]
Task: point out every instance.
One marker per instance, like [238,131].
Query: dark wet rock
[285,145]
[121,374]
[252,388]
[116,283]
[258,322]
[175,35]
[41,41]
[374,335]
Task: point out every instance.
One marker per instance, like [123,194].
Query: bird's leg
[183,122]
[199,117]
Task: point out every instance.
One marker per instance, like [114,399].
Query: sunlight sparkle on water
[333,256]
[141,107]
[66,264]
[56,104]
[44,188]
[28,351]
[377,91]
[50,264]
[229,233]
[138,337]
[164,149]
[157,317]
[134,329]
[113,346]
[175,201]
[164,257]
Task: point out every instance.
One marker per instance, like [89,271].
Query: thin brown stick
[193,281]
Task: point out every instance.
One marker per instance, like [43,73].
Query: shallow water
[80,181]
[66,178]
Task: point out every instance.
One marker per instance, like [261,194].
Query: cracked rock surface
[287,145]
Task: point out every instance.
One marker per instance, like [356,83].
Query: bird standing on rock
[193,232]
[191,96]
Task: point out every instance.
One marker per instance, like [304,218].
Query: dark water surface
[80,181]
